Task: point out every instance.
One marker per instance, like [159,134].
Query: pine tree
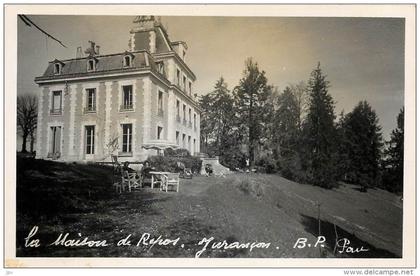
[253,106]
[220,124]
[286,132]
[363,143]
[394,162]
[320,133]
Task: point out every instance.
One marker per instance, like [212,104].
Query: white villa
[131,104]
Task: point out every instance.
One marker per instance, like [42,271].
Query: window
[127,131]
[189,115]
[90,139]
[56,102]
[195,121]
[178,73]
[159,132]
[90,100]
[55,142]
[160,103]
[91,65]
[184,113]
[177,137]
[161,68]
[57,68]
[184,82]
[127,61]
[183,140]
[189,88]
[189,143]
[127,91]
[178,118]
[194,147]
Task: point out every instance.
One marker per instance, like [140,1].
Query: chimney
[79,52]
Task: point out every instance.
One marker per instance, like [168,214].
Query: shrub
[169,163]
[265,164]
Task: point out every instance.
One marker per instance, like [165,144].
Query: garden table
[159,177]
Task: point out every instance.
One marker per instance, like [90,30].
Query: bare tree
[27,111]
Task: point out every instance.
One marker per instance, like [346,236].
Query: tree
[27,111]
[320,133]
[300,92]
[252,105]
[286,132]
[363,144]
[220,133]
[394,161]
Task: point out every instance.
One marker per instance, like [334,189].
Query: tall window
[184,82]
[194,147]
[184,113]
[56,102]
[127,61]
[195,121]
[189,143]
[177,137]
[178,118]
[178,76]
[159,132]
[190,88]
[183,140]
[55,141]
[127,97]
[160,103]
[127,130]
[189,115]
[90,99]
[90,139]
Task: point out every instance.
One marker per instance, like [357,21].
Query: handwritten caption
[206,243]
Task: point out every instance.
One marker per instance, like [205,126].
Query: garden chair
[131,180]
[170,179]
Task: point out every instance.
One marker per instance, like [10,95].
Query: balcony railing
[126,107]
[178,118]
[57,111]
[160,112]
[90,109]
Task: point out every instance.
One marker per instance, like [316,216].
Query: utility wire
[28,22]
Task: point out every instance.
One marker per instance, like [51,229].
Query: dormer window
[91,65]
[58,65]
[161,68]
[57,68]
[127,61]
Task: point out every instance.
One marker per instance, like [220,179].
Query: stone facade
[128,104]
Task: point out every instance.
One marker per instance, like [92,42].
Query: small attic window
[161,67]
[127,61]
[91,65]
[57,68]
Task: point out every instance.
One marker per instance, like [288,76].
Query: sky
[363,58]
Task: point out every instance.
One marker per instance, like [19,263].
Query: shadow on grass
[74,198]
[328,231]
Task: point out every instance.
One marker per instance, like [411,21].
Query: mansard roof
[112,63]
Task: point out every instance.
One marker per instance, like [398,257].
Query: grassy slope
[62,198]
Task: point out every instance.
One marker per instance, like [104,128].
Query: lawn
[79,200]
